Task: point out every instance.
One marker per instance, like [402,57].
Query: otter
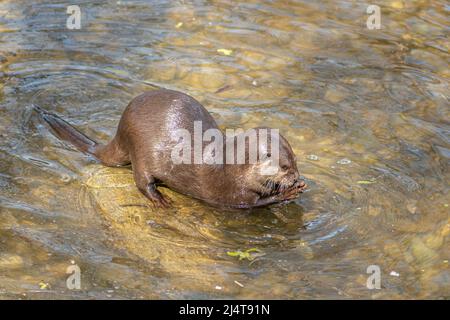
[146,138]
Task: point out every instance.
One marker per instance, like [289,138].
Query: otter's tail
[66,132]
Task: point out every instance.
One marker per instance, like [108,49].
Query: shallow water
[366,112]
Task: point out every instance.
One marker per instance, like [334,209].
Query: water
[366,112]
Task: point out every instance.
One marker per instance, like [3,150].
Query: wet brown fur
[145,139]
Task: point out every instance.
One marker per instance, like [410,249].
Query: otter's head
[275,172]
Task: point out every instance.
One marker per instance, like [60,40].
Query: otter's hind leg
[146,183]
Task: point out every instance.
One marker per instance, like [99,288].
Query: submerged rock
[10,261]
[177,245]
[424,255]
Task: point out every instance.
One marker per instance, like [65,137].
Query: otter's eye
[269,155]
[285,167]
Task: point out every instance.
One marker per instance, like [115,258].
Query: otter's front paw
[293,192]
[159,201]
[156,197]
